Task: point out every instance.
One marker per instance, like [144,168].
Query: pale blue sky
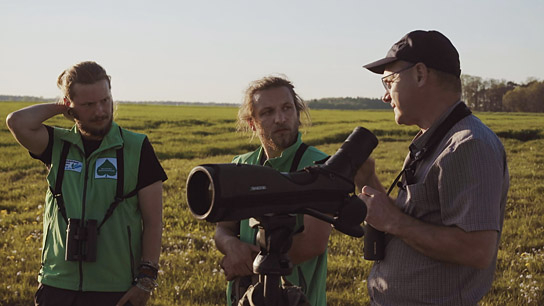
[202,51]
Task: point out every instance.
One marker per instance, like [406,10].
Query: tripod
[275,239]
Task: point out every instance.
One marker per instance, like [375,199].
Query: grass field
[184,137]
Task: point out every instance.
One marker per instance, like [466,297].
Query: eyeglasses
[388,81]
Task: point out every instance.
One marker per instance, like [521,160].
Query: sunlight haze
[208,51]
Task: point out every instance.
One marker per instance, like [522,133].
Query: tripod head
[275,237]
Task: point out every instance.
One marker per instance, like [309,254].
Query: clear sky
[208,51]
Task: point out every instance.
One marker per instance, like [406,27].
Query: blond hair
[83,73]
[246,111]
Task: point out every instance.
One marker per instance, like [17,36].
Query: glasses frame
[388,84]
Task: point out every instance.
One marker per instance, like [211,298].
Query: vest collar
[113,138]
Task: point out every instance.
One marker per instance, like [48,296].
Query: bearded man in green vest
[103,210]
[272,110]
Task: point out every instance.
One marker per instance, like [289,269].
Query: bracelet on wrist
[146,283]
[148,290]
[148,269]
[150,264]
[146,272]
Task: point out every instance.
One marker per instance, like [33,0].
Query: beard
[95,132]
[280,141]
[86,129]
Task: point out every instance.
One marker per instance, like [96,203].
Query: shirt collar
[421,138]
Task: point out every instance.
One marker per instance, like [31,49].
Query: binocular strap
[119,197]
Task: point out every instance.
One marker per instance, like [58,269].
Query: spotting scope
[232,192]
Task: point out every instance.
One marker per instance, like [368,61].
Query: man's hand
[366,176]
[364,173]
[381,212]
[136,297]
[239,259]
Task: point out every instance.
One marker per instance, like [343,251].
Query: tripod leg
[272,290]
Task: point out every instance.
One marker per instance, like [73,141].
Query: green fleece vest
[310,275]
[88,188]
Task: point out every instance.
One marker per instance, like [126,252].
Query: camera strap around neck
[458,113]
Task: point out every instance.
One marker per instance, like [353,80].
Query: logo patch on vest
[106,168]
[73,165]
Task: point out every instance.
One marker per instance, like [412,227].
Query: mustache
[100,118]
[282,127]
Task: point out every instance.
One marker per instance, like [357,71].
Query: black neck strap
[57,193]
[296,160]
[458,113]
[298,156]
[119,197]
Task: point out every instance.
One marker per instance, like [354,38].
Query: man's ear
[69,114]
[67,102]
[251,124]
[422,73]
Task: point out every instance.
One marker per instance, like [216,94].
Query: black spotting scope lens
[200,192]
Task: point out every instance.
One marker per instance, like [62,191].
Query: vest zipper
[130,251]
[42,261]
[83,222]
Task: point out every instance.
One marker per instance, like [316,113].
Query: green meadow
[186,136]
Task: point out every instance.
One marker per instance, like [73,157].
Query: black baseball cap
[429,47]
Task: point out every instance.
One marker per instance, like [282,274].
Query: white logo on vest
[106,168]
[73,165]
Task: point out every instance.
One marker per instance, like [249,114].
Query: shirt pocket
[418,202]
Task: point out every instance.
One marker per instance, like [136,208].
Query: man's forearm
[33,116]
[151,243]
[225,237]
[150,199]
[311,242]
[26,125]
[444,243]
[449,244]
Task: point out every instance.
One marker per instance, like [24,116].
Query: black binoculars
[81,240]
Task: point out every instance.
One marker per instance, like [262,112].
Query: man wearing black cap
[443,228]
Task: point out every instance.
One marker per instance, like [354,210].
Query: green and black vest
[88,188]
[310,275]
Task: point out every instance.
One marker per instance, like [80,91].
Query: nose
[386,97]
[101,108]
[280,117]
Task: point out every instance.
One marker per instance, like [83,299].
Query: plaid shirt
[463,183]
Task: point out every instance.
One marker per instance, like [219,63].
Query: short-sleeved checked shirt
[463,183]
